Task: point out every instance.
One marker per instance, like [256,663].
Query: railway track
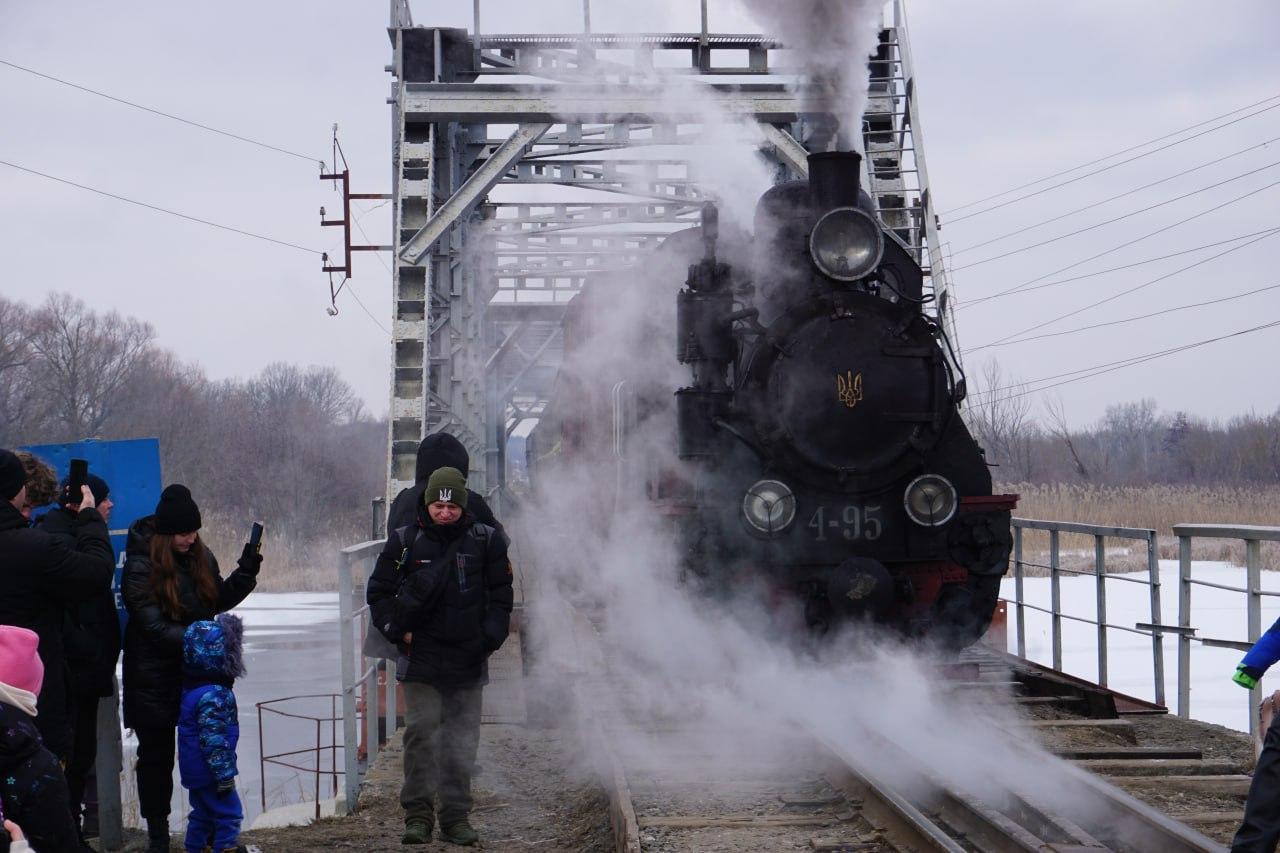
[671,788]
[843,805]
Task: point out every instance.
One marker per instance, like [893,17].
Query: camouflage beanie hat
[448,485]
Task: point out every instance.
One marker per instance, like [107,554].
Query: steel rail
[1088,812]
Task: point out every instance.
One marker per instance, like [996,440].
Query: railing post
[1184,622]
[1017,586]
[1100,573]
[1157,636]
[1253,571]
[372,746]
[350,749]
[390,725]
[1055,589]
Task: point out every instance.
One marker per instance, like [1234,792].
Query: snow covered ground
[1215,613]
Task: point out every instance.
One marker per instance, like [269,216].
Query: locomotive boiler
[808,438]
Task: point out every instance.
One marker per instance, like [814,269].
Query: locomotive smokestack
[833,180]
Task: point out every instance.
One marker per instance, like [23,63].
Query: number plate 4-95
[851,522]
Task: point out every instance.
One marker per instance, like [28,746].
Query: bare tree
[1058,427]
[333,398]
[83,360]
[15,374]
[1004,426]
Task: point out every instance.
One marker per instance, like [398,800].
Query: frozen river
[1215,613]
[291,649]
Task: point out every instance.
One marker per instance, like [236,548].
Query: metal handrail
[332,748]
[1253,536]
[353,623]
[1100,534]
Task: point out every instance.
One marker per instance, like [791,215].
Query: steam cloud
[590,542]
[830,41]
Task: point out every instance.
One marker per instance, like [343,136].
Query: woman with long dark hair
[170,580]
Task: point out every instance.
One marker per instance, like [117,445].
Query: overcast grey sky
[1011,91]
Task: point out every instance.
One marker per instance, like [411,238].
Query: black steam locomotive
[818,449]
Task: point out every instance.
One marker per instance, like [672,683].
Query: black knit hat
[177,512]
[448,485]
[12,475]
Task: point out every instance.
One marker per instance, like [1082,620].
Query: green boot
[416,831]
[460,832]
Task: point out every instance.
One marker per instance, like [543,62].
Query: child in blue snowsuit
[208,731]
[1260,830]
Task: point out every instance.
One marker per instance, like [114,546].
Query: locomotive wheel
[964,612]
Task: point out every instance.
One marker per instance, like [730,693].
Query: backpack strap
[407,535]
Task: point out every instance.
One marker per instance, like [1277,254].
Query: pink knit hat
[20,665]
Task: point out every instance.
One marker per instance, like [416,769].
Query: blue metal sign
[131,468]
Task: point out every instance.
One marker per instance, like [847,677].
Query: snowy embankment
[1215,614]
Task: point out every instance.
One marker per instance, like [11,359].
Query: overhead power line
[1109,367]
[1109,168]
[1148,316]
[1133,289]
[1061,216]
[1027,284]
[1104,158]
[1116,219]
[1144,262]
[157,209]
[162,113]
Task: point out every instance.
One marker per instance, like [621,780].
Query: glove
[226,786]
[250,560]
[1246,676]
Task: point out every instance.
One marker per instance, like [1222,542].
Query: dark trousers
[155,770]
[214,821]
[442,731]
[84,750]
[1260,830]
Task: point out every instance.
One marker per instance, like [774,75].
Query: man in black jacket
[40,577]
[438,450]
[91,637]
[441,590]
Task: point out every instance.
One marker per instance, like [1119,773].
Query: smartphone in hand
[255,536]
[77,478]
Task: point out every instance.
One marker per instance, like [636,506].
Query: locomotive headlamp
[846,244]
[931,500]
[769,506]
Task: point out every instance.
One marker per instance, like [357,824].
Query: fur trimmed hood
[214,648]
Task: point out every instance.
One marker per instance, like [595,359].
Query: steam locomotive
[806,437]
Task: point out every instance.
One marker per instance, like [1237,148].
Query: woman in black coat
[170,580]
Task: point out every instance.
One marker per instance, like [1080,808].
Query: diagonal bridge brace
[472,191]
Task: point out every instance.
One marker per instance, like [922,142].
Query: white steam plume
[830,42]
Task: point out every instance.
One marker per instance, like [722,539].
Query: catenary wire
[1109,367]
[1061,216]
[1133,289]
[1060,281]
[1161,313]
[1103,159]
[185,216]
[162,113]
[1107,168]
[382,260]
[1116,219]
[1027,284]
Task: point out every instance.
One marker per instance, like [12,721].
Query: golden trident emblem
[849,388]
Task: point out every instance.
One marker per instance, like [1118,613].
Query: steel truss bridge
[483,122]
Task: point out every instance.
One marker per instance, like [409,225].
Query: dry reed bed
[1157,507]
[287,565]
